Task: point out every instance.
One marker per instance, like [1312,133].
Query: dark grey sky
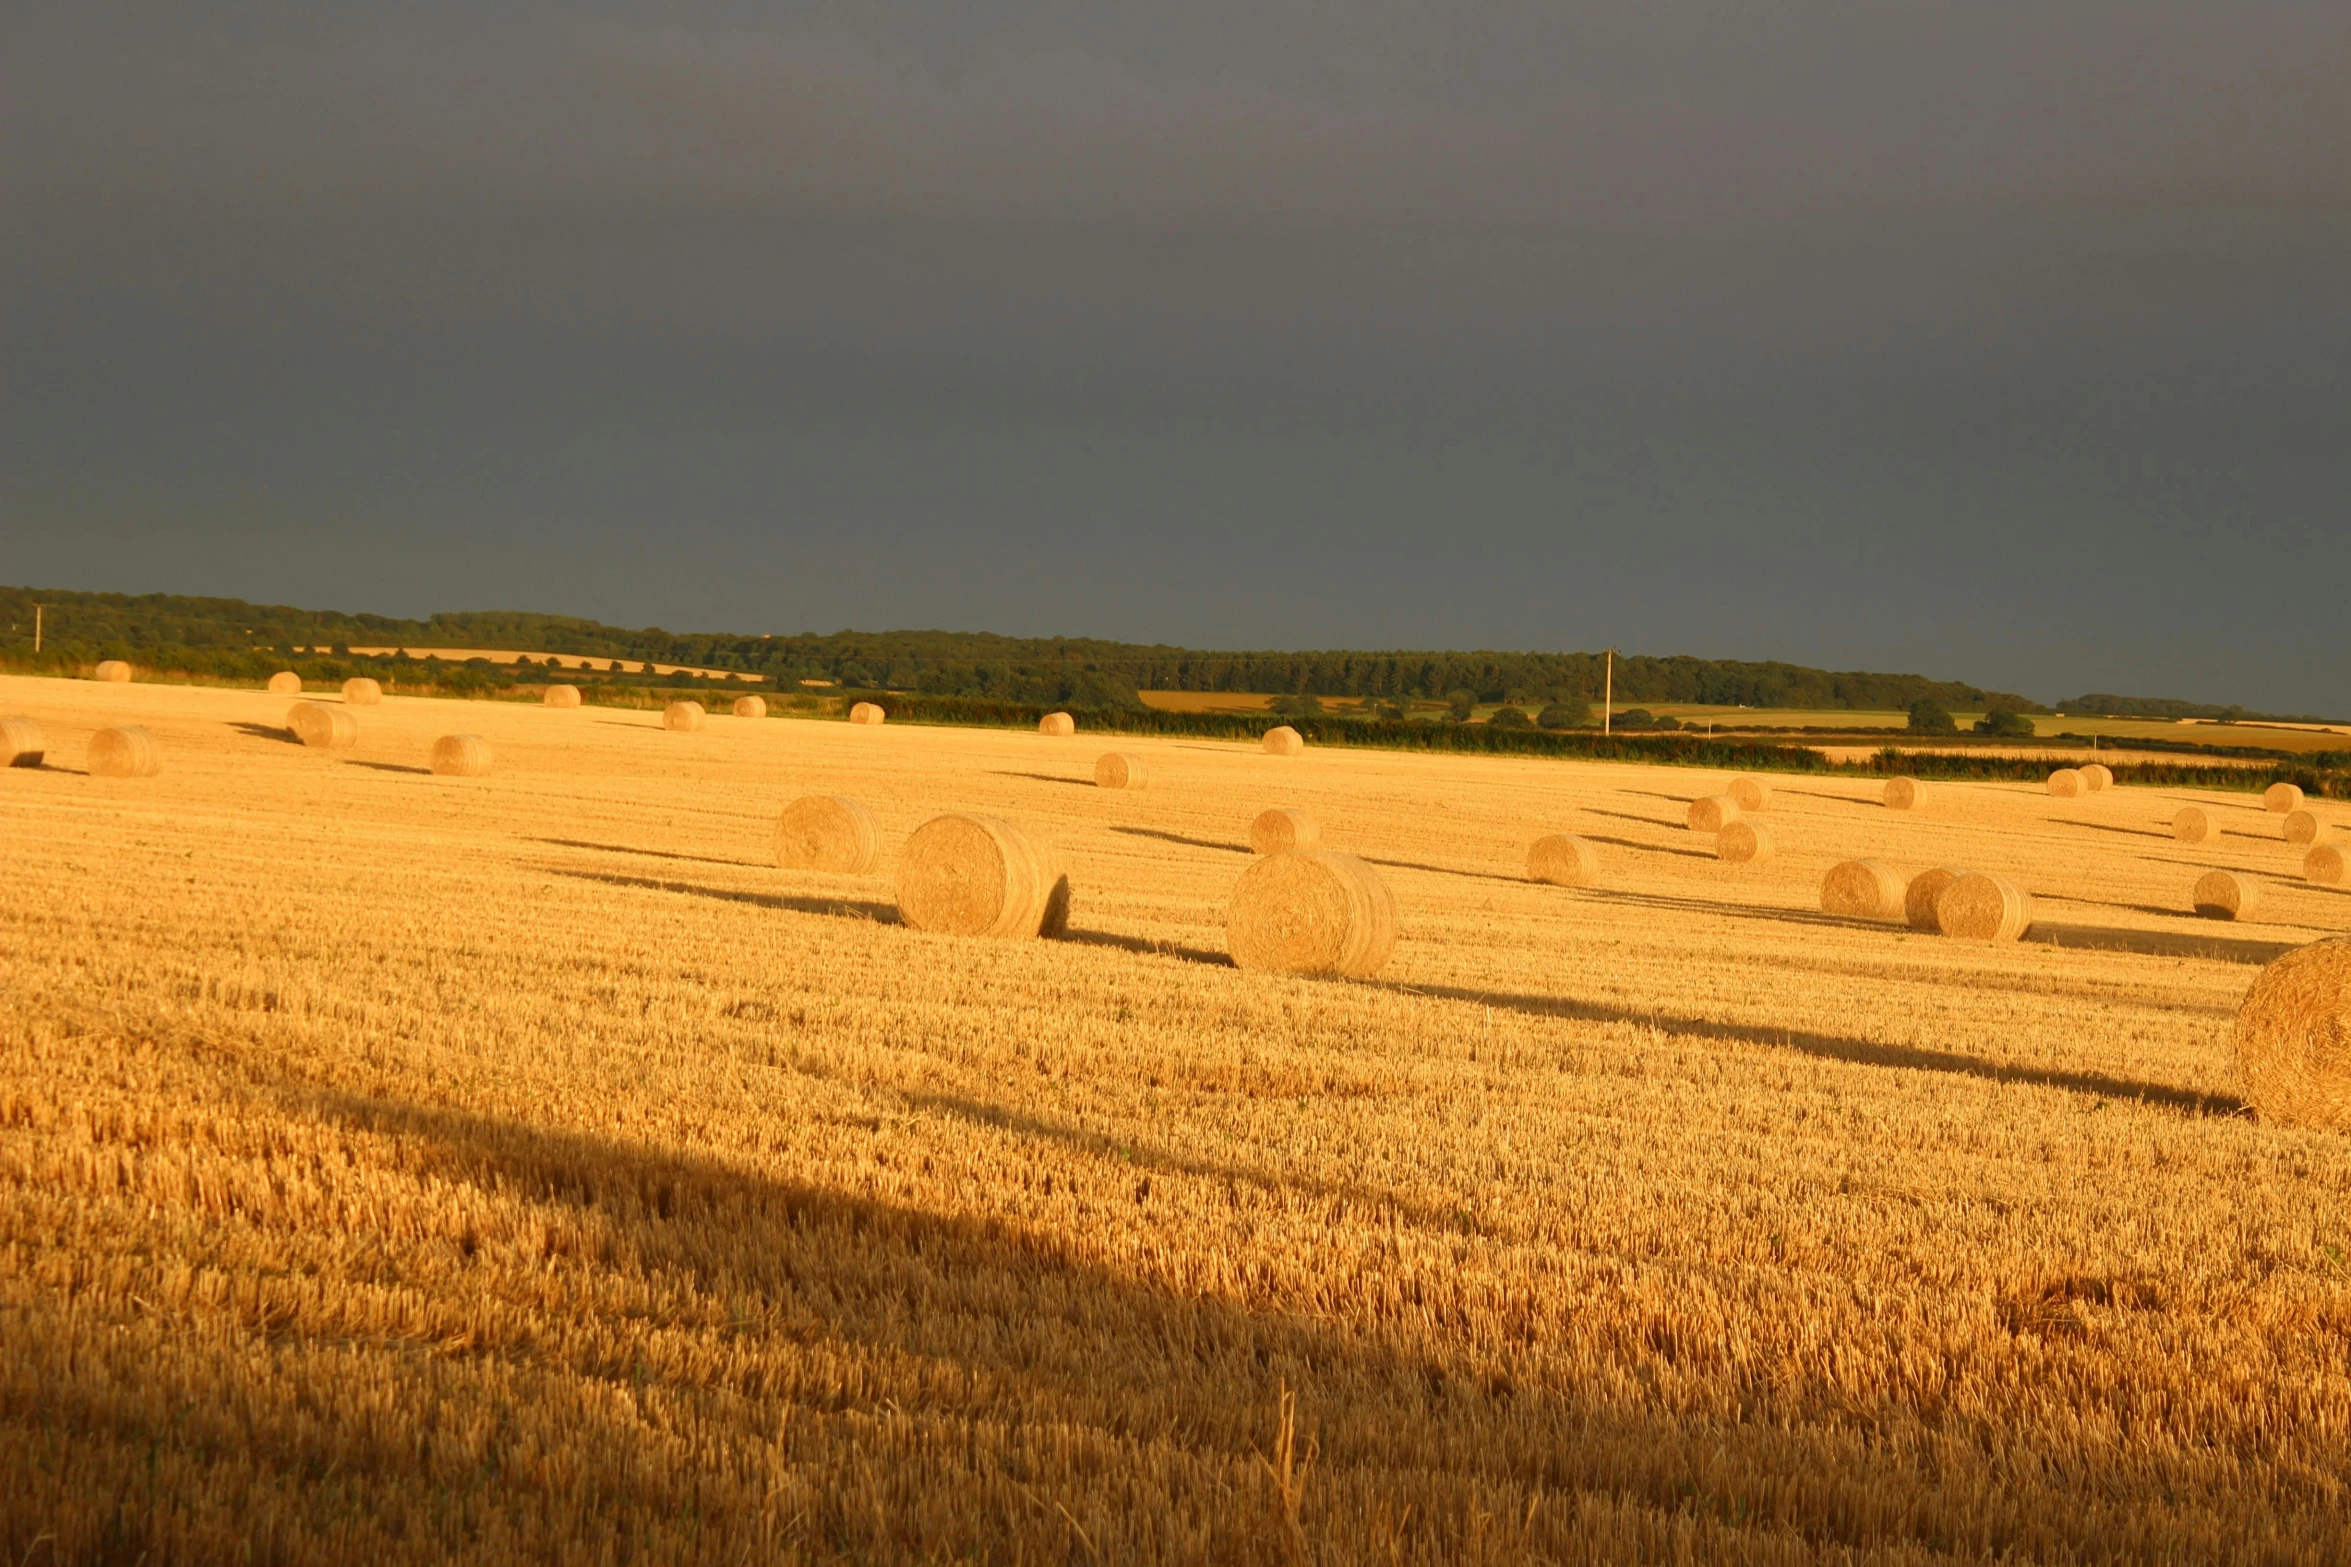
[2007,341]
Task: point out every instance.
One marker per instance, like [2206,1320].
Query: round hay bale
[1918,899]
[1862,890]
[1311,911]
[1277,831]
[2280,798]
[2294,1038]
[1712,813]
[1282,740]
[2302,827]
[1118,770]
[112,670]
[461,756]
[866,713]
[561,696]
[1977,907]
[982,876]
[124,753]
[285,683]
[2193,824]
[2226,895]
[2067,782]
[827,832]
[1057,724]
[1563,860]
[2097,777]
[1904,794]
[750,707]
[2328,863]
[322,727]
[21,744]
[682,716]
[1741,842]
[362,692]
[1752,794]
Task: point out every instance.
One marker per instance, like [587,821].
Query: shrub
[1298,706]
[1510,718]
[1462,703]
[1999,721]
[1566,713]
[1930,718]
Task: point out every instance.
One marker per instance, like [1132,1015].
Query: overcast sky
[2001,341]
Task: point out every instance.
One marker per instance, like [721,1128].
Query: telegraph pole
[36,628]
[1608,692]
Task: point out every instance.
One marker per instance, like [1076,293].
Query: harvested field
[534,1170]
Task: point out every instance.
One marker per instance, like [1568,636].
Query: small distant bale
[2097,777]
[1563,860]
[112,670]
[1282,740]
[124,753]
[1119,770]
[750,707]
[2328,864]
[1904,794]
[322,727]
[2293,1038]
[285,683]
[2067,783]
[461,756]
[2193,824]
[1919,898]
[562,696]
[362,692]
[1057,724]
[1311,911]
[2302,827]
[21,743]
[1752,794]
[1978,907]
[1712,813]
[1862,890]
[2280,798]
[866,713]
[827,832]
[2226,895]
[1742,842]
[1277,831]
[683,716]
[982,876]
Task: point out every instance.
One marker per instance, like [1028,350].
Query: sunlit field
[403,1168]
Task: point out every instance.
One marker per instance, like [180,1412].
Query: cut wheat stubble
[461,756]
[2293,1038]
[685,717]
[1279,830]
[2303,827]
[285,683]
[982,876]
[124,753]
[2328,864]
[1919,898]
[1282,740]
[322,727]
[1864,890]
[1752,794]
[1743,842]
[2068,783]
[827,832]
[21,743]
[750,707]
[1712,813]
[561,696]
[2280,798]
[1311,911]
[362,692]
[112,670]
[1563,860]
[1904,794]
[2193,824]
[1057,724]
[1980,907]
[2225,895]
[1119,770]
[868,713]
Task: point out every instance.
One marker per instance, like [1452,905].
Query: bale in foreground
[21,744]
[359,691]
[561,696]
[1742,842]
[2293,1038]
[2067,782]
[1863,890]
[1282,740]
[2328,864]
[750,707]
[827,832]
[285,683]
[2280,798]
[2302,827]
[1919,898]
[1753,794]
[682,716]
[1712,812]
[1977,907]
[461,756]
[982,876]
[322,727]
[1057,724]
[1311,911]
[1563,860]
[866,713]
[112,670]
[1904,794]
[2193,824]
[2097,777]
[1119,770]
[2225,895]
[1278,830]
[124,753]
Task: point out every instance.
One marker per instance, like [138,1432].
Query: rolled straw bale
[1742,841]
[1712,812]
[1753,794]
[2294,1038]
[982,876]
[562,696]
[1862,889]
[1277,830]
[461,756]
[21,744]
[866,713]
[1918,899]
[1311,911]
[826,832]
[1563,860]
[2097,777]
[2226,895]
[1977,907]
[322,727]
[362,692]
[1057,724]
[683,716]
[2067,782]
[1282,740]
[2193,824]
[285,683]
[1904,794]
[1119,770]
[2329,863]
[2302,827]
[124,753]
[750,707]
[113,670]
[2279,798]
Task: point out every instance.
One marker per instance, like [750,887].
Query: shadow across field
[1053,778]
[2159,943]
[1736,911]
[846,908]
[1444,870]
[1839,799]
[1148,947]
[2128,832]
[387,767]
[277,732]
[651,854]
[1646,821]
[1647,848]
[1177,837]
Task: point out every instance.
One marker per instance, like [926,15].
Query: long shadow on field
[651,854]
[1646,821]
[2159,943]
[1053,778]
[1147,946]
[1654,794]
[2128,908]
[387,767]
[278,732]
[1177,837]
[1649,848]
[1737,911]
[1445,870]
[2128,832]
[1840,799]
[852,908]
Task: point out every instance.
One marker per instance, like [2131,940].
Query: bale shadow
[386,767]
[847,908]
[1738,911]
[1656,794]
[2156,909]
[1840,799]
[2158,943]
[1445,870]
[278,732]
[1646,821]
[1052,778]
[652,854]
[1177,837]
[2128,832]
[1648,848]
[1148,947]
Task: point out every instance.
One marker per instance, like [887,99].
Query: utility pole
[36,628]
[1608,692]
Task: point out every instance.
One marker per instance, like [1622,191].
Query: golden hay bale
[21,744]
[1282,740]
[322,727]
[750,707]
[826,832]
[1862,889]
[2097,776]
[1752,794]
[1741,842]
[1918,899]
[1712,812]
[1977,907]
[1311,911]
[1564,860]
[683,716]
[866,713]
[1904,794]
[285,683]
[2226,895]
[2279,798]
[2193,824]
[461,756]
[562,696]
[2302,827]
[1057,724]
[113,670]
[1275,831]
[1119,770]
[982,876]
[124,753]
[2294,1038]
[2067,782]
[2329,863]
[362,692]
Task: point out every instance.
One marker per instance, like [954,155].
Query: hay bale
[826,832]
[1977,907]
[1712,813]
[1753,794]
[2328,863]
[1563,860]
[124,753]
[1862,890]
[2097,777]
[1741,842]
[2293,1038]
[1118,770]
[982,876]
[2067,782]
[112,670]
[1904,794]
[1311,911]
[2302,827]
[461,756]
[866,713]
[561,696]
[285,683]
[362,692]
[1282,740]
[682,716]
[21,743]
[1057,724]
[2280,798]
[750,707]
[1918,899]
[1278,831]
[322,727]
[2226,895]
[2193,824]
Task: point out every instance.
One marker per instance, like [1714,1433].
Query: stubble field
[400,1168]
